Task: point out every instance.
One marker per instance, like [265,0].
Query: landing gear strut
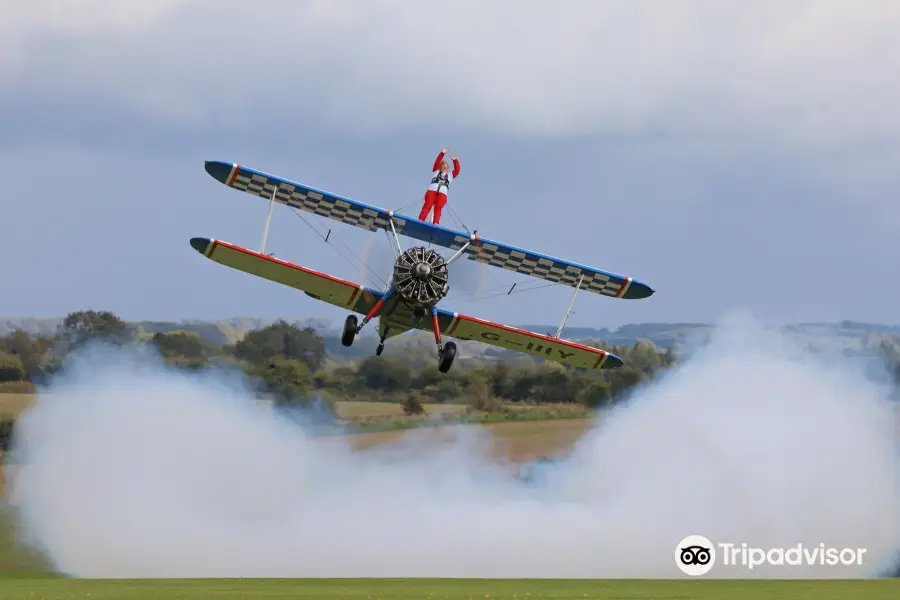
[420,281]
[446,352]
[384,335]
[352,328]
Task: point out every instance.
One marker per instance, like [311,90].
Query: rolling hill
[682,337]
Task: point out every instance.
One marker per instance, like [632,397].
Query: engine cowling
[421,276]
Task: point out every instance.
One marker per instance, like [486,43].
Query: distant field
[12,404]
[523,439]
[366,413]
[439,589]
[513,441]
[352,409]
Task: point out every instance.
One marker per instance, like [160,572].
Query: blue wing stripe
[372,218]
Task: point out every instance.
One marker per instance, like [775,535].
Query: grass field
[513,441]
[386,421]
[437,589]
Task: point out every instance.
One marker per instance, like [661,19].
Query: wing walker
[420,277]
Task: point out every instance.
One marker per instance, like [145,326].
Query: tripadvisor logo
[696,555]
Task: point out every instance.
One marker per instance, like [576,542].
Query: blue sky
[733,157]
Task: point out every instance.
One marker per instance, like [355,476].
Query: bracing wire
[459,222]
[479,298]
[327,241]
[503,289]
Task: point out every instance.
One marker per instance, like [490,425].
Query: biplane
[420,278]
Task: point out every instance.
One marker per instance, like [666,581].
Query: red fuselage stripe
[531,334]
[284,263]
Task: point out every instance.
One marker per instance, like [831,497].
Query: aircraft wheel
[446,359]
[349,330]
[379,349]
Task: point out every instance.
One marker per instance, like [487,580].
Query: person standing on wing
[436,194]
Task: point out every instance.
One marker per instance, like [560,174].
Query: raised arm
[440,157]
[455,167]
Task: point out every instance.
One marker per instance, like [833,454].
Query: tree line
[291,366]
[291,363]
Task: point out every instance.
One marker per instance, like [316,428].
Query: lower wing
[321,286]
[359,299]
[464,327]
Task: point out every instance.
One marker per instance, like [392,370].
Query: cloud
[816,74]
[806,89]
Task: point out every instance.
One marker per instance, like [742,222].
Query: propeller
[378,258]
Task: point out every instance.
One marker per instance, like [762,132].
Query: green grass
[437,589]
[14,557]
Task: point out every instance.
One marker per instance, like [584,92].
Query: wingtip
[612,361]
[218,169]
[200,244]
[638,290]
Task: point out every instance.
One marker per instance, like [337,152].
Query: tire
[447,356]
[349,332]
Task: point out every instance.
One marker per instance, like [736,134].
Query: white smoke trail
[133,471]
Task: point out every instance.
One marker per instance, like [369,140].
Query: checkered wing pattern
[551,269]
[301,197]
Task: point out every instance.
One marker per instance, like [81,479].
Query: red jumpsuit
[436,194]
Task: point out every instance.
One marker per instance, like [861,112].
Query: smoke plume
[131,470]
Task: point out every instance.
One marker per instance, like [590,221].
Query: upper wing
[359,299]
[496,254]
[334,291]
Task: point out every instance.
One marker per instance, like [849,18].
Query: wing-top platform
[372,218]
[359,299]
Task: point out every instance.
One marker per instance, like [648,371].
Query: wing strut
[396,237]
[569,310]
[265,237]
[461,250]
